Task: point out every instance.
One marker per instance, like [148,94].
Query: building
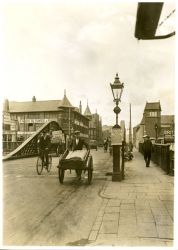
[107,130]
[123,129]
[153,124]
[95,126]
[10,126]
[167,128]
[31,115]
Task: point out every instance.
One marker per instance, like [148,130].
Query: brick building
[95,126]
[31,115]
[153,124]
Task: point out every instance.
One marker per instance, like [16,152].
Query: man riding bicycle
[44,143]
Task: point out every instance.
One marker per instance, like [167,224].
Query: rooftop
[31,106]
[152,106]
[87,111]
[169,119]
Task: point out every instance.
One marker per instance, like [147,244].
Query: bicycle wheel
[39,166]
[49,164]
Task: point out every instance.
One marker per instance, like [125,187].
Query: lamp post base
[116,176]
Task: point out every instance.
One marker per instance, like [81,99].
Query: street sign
[116,136]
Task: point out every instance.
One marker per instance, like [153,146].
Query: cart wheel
[90,169]
[39,166]
[61,175]
[49,163]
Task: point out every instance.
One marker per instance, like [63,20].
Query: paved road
[38,210]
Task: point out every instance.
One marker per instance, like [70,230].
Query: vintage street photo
[88,124]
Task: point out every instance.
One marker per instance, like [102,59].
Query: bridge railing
[162,156]
[29,147]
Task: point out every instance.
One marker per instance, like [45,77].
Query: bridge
[29,147]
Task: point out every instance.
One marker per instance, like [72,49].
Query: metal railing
[29,148]
[162,156]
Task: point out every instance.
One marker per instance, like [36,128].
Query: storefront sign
[6,118]
[34,120]
[116,136]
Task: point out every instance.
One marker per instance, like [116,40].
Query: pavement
[138,211]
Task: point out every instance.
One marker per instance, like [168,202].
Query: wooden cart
[85,164]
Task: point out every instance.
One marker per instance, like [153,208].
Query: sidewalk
[137,211]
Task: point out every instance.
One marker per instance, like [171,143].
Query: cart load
[79,159]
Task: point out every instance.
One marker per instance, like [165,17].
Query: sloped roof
[152,106]
[87,111]
[167,119]
[37,106]
[65,102]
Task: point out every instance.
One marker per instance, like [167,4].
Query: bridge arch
[29,147]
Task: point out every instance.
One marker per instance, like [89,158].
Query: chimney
[33,99]
[6,105]
[80,108]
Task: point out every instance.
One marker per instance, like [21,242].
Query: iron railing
[162,156]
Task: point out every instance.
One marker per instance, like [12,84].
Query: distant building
[95,126]
[153,124]
[10,126]
[107,130]
[167,128]
[31,115]
[122,124]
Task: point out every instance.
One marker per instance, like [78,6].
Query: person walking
[147,150]
[105,145]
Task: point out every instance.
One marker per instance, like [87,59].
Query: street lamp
[117,89]
[116,137]
[156,131]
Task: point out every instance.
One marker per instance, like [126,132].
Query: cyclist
[44,143]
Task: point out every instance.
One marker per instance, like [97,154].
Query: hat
[77,132]
[146,136]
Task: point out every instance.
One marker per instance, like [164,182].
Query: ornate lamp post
[117,89]
[156,131]
[116,139]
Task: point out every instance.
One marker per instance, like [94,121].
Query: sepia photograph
[88,124]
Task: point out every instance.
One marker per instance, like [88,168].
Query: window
[153,114]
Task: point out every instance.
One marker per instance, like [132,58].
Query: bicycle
[40,164]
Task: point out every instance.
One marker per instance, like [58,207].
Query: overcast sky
[80,46]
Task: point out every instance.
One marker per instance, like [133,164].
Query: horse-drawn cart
[75,160]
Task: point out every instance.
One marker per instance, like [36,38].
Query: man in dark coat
[147,150]
[78,144]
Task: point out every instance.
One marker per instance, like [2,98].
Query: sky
[49,46]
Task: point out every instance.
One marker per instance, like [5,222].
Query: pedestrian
[147,150]
[77,144]
[105,145]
